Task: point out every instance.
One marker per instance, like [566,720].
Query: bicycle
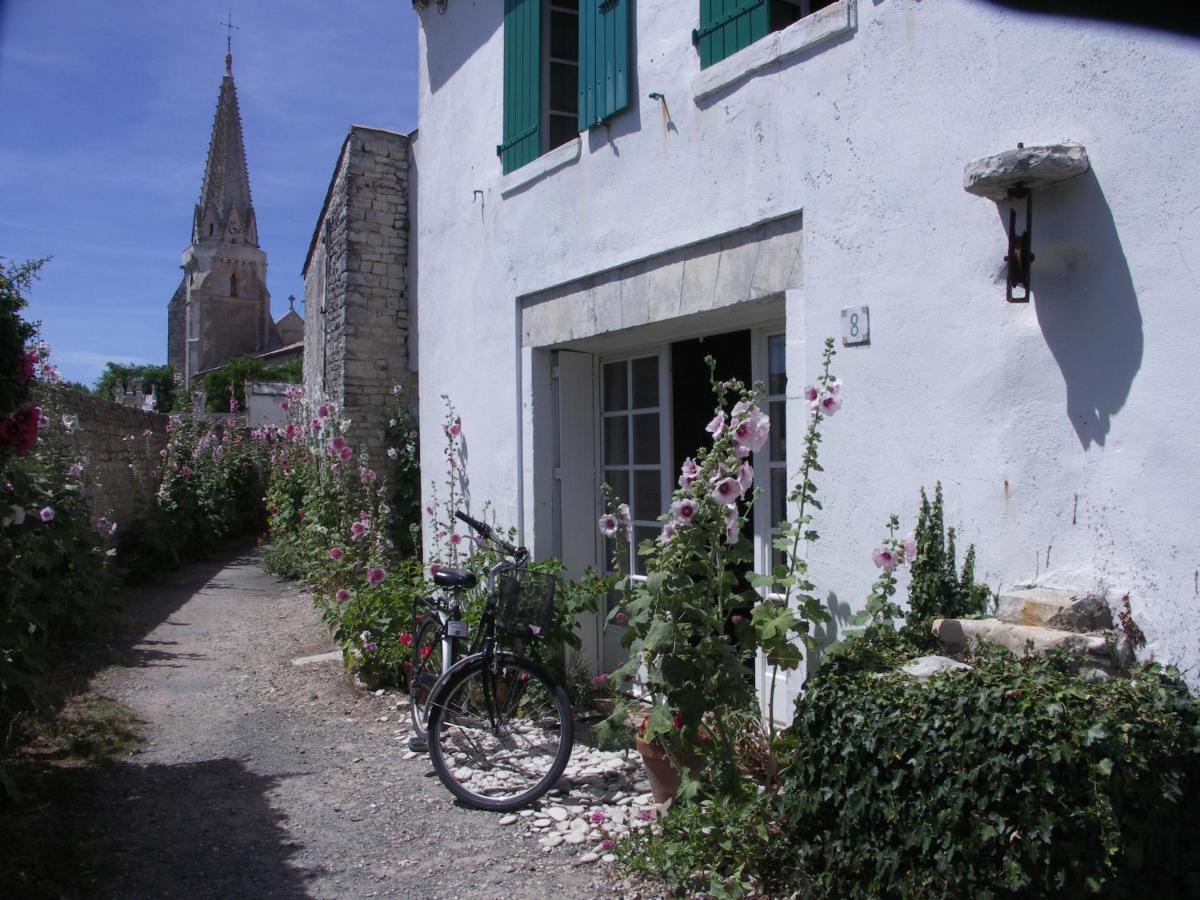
[499,726]
[437,636]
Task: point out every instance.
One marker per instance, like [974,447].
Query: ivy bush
[1013,779]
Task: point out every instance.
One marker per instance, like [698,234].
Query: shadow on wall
[1086,304]
[451,37]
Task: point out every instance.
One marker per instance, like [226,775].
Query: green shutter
[727,26]
[522,83]
[603,60]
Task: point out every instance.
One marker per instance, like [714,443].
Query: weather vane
[229,29]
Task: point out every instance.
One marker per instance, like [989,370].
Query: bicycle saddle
[455,579]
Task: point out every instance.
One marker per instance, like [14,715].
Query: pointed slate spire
[225,212]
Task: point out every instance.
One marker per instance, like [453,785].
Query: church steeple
[225,212]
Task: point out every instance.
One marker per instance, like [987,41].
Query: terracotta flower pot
[664,778]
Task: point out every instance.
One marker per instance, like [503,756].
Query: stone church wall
[356,301]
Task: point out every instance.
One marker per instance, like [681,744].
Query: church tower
[221,309]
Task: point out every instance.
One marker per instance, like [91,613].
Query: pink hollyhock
[454,429]
[345,454]
[726,490]
[608,525]
[47,514]
[337,443]
[910,548]
[668,533]
[323,411]
[752,429]
[363,516]
[811,393]
[186,472]
[357,529]
[732,531]
[834,387]
[335,553]
[284,406]
[684,510]
[365,475]
[599,681]
[745,477]
[375,575]
[885,558]
[688,472]
[343,595]
[830,404]
[620,618]
[290,431]
[717,425]
[623,513]
[456,539]
[598,817]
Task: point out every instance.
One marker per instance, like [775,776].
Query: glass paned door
[634,419]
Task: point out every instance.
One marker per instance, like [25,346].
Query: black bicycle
[499,726]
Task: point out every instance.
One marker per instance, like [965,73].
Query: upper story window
[727,26]
[566,68]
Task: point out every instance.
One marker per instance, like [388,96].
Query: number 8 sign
[856,326]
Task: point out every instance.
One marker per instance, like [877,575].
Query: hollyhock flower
[456,539]
[425,651]
[70,423]
[102,522]
[833,387]
[608,525]
[363,516]
[620,618]
[726,490]
[186,471]
[717,426]
[335,468]
[375,575]
[285,406]
[370,647]
[405,639]
[598,817]
[668,533]
[607,844]
[745,477]
[337,443]
[684,510]
[688,472]
[910,548]
[290,431]
[46,514]
[74,470]
[830,404]
[752,429]
[454,429]
[812,393]
[357,529]
[112,529]
[645,815]
[342,595]
[599,681]
[345,454]
[885,558]
[623,513]
[429,510]
[365,475]
[392,452]
[335,553]
[323,411]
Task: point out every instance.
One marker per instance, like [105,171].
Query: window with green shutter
[566,68]
[727,26]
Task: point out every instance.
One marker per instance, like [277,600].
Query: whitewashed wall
[1064,431]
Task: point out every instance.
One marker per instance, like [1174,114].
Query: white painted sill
[558,158]
[778,46]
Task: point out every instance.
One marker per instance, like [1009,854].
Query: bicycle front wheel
[500,732]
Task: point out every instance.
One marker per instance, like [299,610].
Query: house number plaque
[856,326]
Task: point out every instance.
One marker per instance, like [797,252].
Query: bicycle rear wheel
[500,734]
[426,670]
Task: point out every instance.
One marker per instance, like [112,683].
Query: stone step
[1065,610]
[960,634]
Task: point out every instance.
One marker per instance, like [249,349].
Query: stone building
[356,298]
[609,193]
[222,309]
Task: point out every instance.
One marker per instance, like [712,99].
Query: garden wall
[103,437]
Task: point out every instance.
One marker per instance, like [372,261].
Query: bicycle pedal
[418,744]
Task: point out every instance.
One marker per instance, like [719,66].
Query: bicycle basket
[526,603]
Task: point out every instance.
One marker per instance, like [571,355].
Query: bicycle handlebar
[486,531]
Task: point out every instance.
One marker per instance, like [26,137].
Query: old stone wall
[110,436]
[356,290]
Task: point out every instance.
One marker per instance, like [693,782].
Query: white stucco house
[608,191]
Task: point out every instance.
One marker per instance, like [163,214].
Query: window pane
[564,87]
[645,382]
[776,365]
[778,437]
[618,480]
[616,389]
[647,495]
[562,129]
[645,439]
[778,496]
[564,35]
[642,533]
[616,440]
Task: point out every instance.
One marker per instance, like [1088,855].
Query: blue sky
[107,113]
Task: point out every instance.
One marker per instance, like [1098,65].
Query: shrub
[937,589]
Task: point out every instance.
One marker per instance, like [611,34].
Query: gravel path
[260,778]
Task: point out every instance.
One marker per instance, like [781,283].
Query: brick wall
[356,299]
